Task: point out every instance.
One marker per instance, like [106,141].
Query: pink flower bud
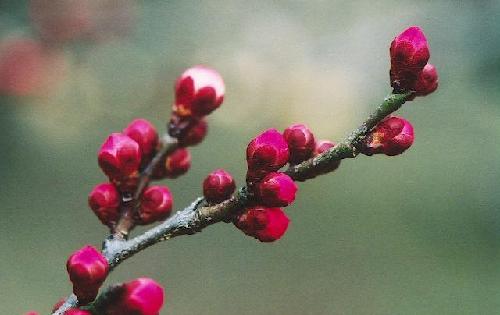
[119,157]
[87,269]
[104,200]
[277,190]
[218,186]
[409,54]
[195,134]
[427,81]
[392,136]
[32,313]
[76,311]
[156,204]
[265,224]
[198,91]
[266,153]
[144,133]
[142,296]
[175,165]
[322,146]
[300,141]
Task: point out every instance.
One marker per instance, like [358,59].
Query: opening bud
[265,224]
[276,190]
[198,91]
[146,136]
[104,200]
[87,269]
[300,141]
[218,186]
[156,204]
[392,136]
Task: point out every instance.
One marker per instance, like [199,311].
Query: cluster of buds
[409,68]
[141,296]
[125,156]
[122,157]
[198,92]
[266,155]
[410,72]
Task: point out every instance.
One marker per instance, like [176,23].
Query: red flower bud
[218,186]
[300,141]
[392,136]
[198,91]
[142,296]
[195,134]
[119,157]
[277,190]
[156,204]
[322,146]
[87,269]
[427,81]
[174,165]
[32,313]
[104,200]
[76,311]
[144,133]
[409,54]
[265,224]
[266,153]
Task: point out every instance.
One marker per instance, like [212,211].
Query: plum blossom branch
[199,214]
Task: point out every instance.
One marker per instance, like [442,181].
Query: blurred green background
[413,234]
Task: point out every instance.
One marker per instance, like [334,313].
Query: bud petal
[87,269]
[277,190]
[104,200]
[392,136]
[156,204]
[198,91]
[427,81]
[300,141]
[145,134]
[218,186]
[119,157]
[265,224]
